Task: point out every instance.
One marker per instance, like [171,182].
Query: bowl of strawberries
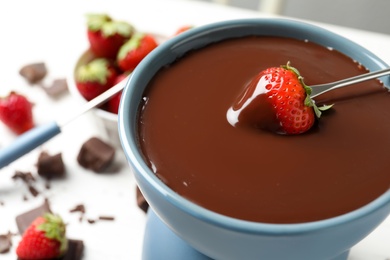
[115,49]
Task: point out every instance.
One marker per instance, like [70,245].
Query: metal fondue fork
[323,88]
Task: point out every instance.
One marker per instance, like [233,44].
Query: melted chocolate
[340,165]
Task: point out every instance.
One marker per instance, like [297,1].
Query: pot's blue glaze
[222,237]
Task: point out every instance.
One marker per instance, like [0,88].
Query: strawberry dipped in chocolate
[276,100]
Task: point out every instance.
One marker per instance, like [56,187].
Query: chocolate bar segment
[75,250]
[33,72]
[50,166]
[96,155]
[24,220]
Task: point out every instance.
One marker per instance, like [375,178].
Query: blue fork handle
[28,142]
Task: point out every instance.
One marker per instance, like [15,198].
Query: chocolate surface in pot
[339,165]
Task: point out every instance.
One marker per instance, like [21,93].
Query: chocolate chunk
[96,155]
[75,250]
[141,201]
[33,72]
[57,88]
[50,166]
[5,243]
[24,220]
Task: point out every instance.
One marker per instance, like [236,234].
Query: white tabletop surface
[54,32]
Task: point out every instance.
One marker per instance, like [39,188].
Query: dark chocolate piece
[50,166]
[57,88]
[5,243]
[24,220]
[141,201]
[96,155]
[75,250]
[33,72]
[91,221]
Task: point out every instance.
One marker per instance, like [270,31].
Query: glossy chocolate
[340,165]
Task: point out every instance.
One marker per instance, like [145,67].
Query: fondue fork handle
[323,88]
[41,134]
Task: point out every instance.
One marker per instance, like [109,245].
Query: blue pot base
[162,243]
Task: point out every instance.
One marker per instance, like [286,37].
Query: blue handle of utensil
[27,142]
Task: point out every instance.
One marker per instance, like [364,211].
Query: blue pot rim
[174,47]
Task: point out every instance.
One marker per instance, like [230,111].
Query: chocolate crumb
[96,155]
[57,88]
[25,198]
[109,218]
[141,201]
[5,242]
[33,72]
[2,203]
[47,185]
[91,221]
[50,166]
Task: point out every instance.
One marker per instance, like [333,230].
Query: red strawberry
[43,239]
[183,29]
[277,99]
[106,36]
[134,50]
[94,78]
[113,103]
[16,113]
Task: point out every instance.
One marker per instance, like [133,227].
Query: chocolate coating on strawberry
[276,100]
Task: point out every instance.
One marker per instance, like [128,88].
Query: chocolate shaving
[2,203]
[91,221]
[26,177]
[109,218]
[33,190]
[78,208]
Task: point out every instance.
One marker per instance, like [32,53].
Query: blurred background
[360,14]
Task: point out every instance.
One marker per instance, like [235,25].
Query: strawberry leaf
[95,71]
[54,228]
[95,22]
[130,45]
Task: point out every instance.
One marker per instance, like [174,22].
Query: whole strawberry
[16,112]
[93,78]
[43,239]
[106,35]
[277,99]
[113,103]
[183,29]
[134,50]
